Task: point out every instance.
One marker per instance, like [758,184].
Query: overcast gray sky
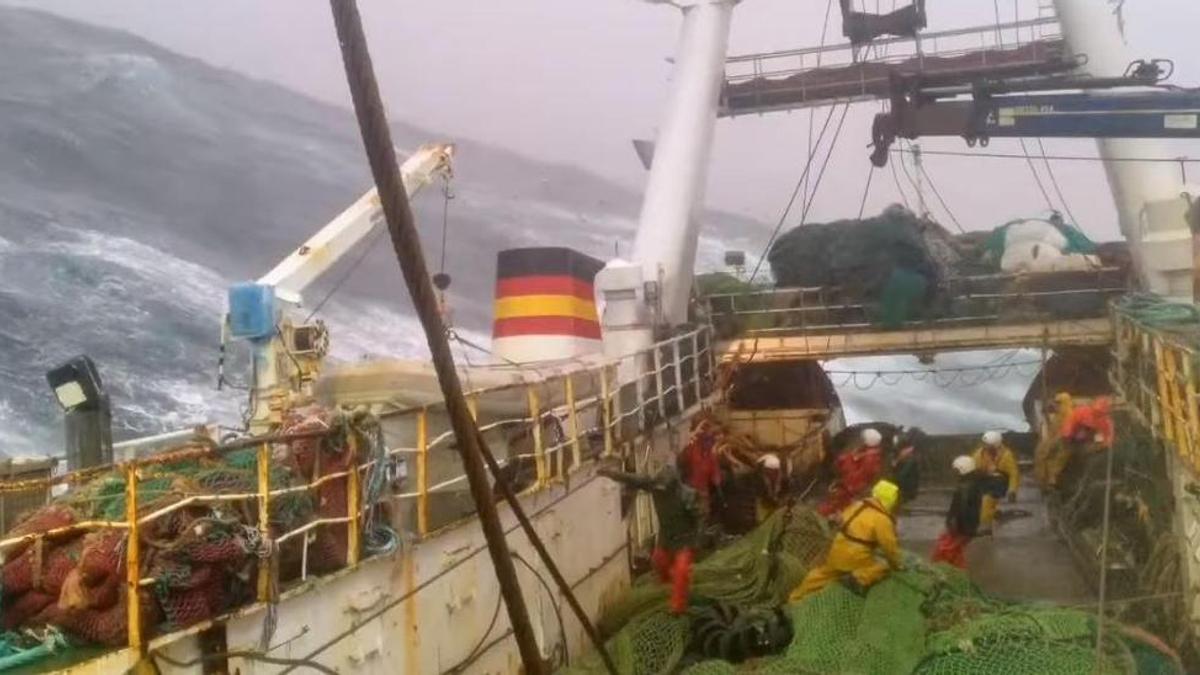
[574,80]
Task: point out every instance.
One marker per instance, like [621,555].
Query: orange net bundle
[201,559]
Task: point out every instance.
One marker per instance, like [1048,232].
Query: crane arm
[322,250]
[1155,114]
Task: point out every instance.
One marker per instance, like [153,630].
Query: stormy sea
[137,184]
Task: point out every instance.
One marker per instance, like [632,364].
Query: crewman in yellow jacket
[991,458]
[868,527]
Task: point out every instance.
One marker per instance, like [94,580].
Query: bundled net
[926,619]
[202,558]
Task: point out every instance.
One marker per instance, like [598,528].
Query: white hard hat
[963,465]
[871,437]
[769,461]
[992,438]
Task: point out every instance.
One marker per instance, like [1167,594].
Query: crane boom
[288,353]
[313,258]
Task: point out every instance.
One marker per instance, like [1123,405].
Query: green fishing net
[924,619]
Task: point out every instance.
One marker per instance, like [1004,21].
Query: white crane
[287,354]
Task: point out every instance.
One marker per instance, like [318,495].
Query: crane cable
[828,155]
[811,112]
[1036,177]
[937,193]
[899,187]
[862,206]
[1054,182]
[447,195]
[792,200]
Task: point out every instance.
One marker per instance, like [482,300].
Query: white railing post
[696,364]
[658,381]
[678,374]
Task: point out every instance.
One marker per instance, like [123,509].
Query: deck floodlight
[76,384]
[88,421]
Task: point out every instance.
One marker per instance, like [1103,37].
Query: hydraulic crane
[287,351]
[996,109]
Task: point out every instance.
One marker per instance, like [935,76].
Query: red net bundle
[202,560]
[315,458]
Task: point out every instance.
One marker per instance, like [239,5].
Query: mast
[654,289]
[1147,195]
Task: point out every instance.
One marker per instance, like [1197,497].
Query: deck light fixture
[88,417]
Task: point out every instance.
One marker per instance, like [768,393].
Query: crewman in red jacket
[857,471]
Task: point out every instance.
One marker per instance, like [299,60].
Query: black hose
[562,630]
[477,649]
[242,654]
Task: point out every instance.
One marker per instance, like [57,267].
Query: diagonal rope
[1054,182]
[795,193]
[1037,178]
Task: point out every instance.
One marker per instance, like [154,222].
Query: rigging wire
[1036,178]
[447,195]
[862,206]
[899,187]
[1062,158]
[1054,182]
[937,193]
[907,175]
[812,112]
[795,193]
[337,286]
[828,155]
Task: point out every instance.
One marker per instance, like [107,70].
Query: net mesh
[203,558]
[925,619]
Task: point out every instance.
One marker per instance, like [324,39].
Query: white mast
[654,289]
[1147,195]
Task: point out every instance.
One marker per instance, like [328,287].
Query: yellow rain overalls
[1002,461]
[867,526]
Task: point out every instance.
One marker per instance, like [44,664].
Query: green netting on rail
[926,619]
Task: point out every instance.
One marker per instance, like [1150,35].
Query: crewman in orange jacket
[1090,424]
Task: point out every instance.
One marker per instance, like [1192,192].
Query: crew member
[679,527]
[904,470]
[699,465]
[1090,424]
[868,527]
[991,458]
[773,485]
[857,471]
[962,520]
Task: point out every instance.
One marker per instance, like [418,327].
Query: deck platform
[1050,334]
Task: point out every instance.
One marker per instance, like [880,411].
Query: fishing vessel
[338,532]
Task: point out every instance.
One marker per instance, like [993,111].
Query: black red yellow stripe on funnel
[545,291]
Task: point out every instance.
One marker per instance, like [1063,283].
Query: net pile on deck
[926,619]
[202,557]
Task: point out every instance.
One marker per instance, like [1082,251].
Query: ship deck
[1024,559]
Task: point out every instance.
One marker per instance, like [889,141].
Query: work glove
[1012,497]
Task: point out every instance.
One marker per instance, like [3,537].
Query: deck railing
[1157,373]
[957,302]
[590,412]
